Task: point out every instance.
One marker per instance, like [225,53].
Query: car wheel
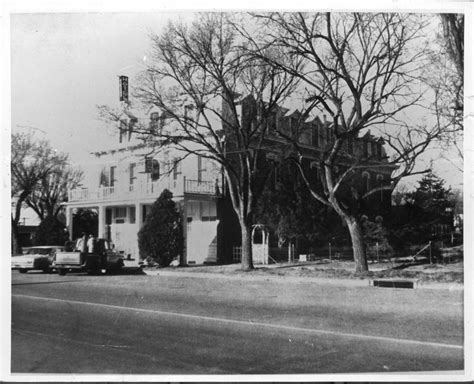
[22,270]
[61,271]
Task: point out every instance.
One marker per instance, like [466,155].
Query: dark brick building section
[314,136]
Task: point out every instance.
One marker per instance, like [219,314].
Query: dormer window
[379,150]
[366,149]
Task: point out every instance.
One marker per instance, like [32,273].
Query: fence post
[431,262]
[289,252]
[377,250]
[330,256]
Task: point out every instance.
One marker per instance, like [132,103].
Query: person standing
[91,244]
[81,243]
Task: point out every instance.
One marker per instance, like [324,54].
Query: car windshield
[39,251]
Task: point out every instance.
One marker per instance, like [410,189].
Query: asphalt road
[138,324]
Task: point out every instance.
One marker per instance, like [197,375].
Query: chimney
[123,88]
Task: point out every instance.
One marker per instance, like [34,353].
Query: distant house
[130,177]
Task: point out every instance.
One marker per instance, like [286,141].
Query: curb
[300,279]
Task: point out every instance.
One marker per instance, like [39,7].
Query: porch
[179,187]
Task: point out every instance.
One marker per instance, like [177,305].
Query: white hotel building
[129,178]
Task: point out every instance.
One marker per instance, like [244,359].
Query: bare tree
[447,82]
[52,190]
[204,81]
[31,162]
[363,71]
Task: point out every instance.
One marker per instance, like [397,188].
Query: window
[208,211]
[155,170]
[104,179]
[154,121]
[368,146]
[120,212]
[201,168]
[176,168]
[305,134]
[366,176]
[130,127]
[122,130]
[112,176]
[133,175]
[152,167]
[272,122]
[132,215]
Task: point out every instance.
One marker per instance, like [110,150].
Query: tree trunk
[247,262]
[358,245]
[15,246]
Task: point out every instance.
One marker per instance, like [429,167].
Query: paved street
[138,324]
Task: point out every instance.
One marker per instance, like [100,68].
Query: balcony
[178,187]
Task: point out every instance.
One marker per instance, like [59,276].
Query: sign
[123,88]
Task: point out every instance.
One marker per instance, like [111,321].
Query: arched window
[366,176]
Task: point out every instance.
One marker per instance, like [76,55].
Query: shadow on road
[50,282]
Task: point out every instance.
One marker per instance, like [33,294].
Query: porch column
[69,211]
[101,231]
[138,215]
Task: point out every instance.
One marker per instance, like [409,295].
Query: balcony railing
[142,190]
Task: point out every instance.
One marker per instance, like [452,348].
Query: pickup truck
[103,259]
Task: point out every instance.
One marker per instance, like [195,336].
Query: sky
[65,64]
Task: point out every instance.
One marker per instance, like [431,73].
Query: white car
[36,258]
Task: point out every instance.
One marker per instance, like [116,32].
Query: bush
[161,237]
[51,232]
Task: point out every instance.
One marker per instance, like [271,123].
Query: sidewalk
[260,275]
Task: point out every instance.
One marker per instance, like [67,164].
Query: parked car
[36,258]
[104,258]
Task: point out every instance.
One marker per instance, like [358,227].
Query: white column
[69,221]
[138,215]
[102,221]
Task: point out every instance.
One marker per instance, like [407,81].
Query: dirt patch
[423,272]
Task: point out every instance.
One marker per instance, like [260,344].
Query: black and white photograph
[267,194]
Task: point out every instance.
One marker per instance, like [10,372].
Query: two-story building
[129,178]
